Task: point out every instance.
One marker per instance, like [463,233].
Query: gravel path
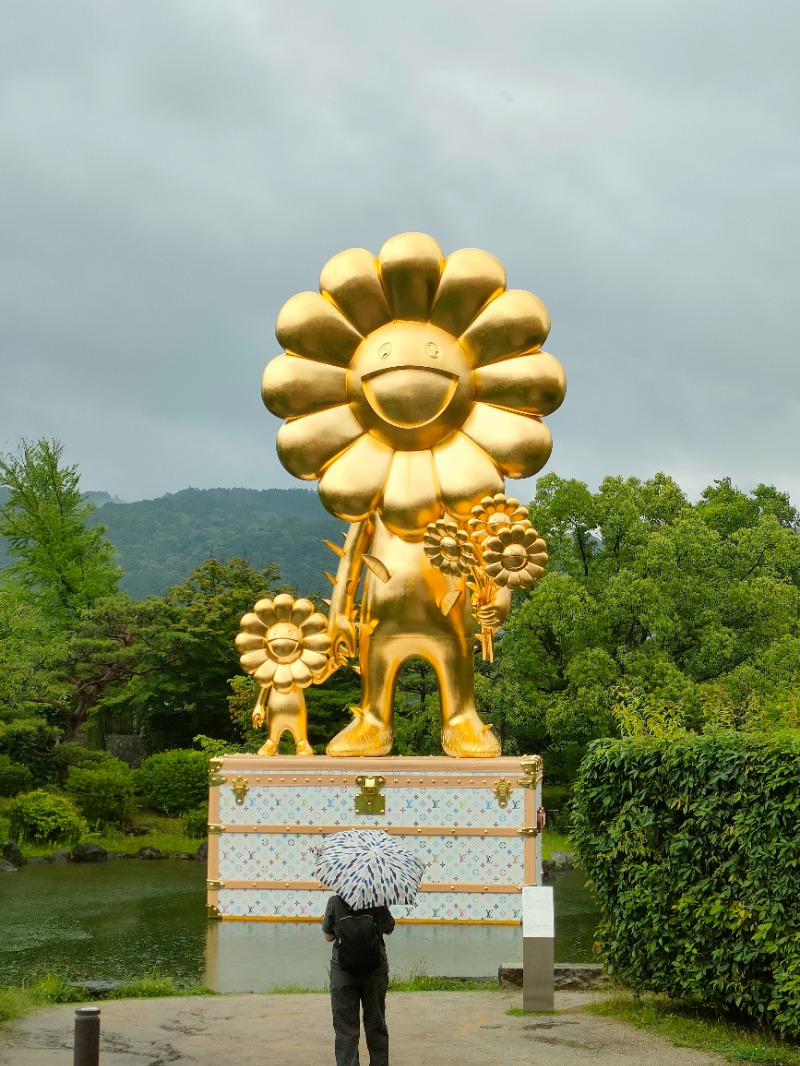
[429,1028]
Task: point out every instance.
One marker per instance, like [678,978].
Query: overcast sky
[171,171]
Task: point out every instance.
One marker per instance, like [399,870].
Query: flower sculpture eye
[412,369]
[516,556]
[284,643]
[449,548]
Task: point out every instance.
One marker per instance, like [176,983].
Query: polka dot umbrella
[368,868]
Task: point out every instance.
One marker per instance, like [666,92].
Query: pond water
[127,918]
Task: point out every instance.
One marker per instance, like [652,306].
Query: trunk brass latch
[370,800]
[502,790]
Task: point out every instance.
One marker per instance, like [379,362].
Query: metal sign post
[538,931]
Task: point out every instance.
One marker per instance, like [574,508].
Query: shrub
[195,823]
[103,792]
[693,847]
[174,782]
[69,755]
[14,778]
[42,818]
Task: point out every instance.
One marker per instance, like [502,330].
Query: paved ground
[428,1028]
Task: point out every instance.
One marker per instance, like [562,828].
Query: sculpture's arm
[494,614]
[341,616]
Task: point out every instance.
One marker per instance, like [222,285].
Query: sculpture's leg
[370,732]
[286,711]
[463,732]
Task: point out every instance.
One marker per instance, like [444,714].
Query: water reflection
[128,918]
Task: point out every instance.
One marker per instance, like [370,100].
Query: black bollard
[87,1036]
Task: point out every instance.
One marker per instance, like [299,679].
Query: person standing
[363,988]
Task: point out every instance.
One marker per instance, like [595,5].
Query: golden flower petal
[351,280]
[469,280]
[265,612]
[312,628]
[318,642]
[248,642]
[251,660]
[465,473]
[513,323]
[515,578]
[284,682]
[283,605]
[411,496]
[519,444]
[251,623]
[352,484]
[534,383]
[498,573]
[311,326]
[410,265]
[293,386]
[314,660]
[302,611]
[534,570]
[265,673]
[307,445]
[492,558]
[301,675]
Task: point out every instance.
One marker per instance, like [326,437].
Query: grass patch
[518,1012]
[553,841]
[424,983]
[691,1027]
[162,832]
[51,989]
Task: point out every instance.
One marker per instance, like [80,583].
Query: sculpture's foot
[361,737]
[269,747]
[302,747]
[470,739]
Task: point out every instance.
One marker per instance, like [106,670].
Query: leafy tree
[654,614]
[189,694]
[61,559]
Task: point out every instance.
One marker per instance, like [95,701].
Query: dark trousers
[349,993]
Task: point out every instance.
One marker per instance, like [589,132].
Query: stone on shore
[89,853]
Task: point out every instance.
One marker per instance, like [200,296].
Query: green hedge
[41,817]
[14,778]
[103,792]
[174,782]
[693,848]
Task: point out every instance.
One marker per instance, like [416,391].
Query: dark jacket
[337,908]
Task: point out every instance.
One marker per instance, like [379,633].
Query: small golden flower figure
[515,556]
[493,512]
[284,644]
[449,548]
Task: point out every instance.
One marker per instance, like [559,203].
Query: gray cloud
[171,172]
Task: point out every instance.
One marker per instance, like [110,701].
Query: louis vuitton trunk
[475,822]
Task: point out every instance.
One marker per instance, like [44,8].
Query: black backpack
[359,942]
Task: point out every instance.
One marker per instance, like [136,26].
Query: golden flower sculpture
[493,512]
[284,644]
[449,548]
[411,384]
[501,550]
[516,557]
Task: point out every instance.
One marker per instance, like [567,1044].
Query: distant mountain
[160,541]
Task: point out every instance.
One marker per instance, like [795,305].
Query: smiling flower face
[284,643]
[412,384]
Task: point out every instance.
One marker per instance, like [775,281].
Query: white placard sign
[537,911]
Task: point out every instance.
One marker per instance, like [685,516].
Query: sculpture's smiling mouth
[410,396]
